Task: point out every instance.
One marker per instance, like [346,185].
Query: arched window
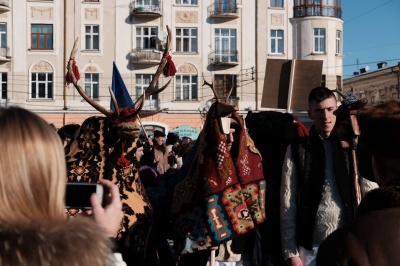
[42,84]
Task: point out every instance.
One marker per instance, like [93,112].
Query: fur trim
[73,242]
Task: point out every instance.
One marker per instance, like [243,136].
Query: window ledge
[185,5]
[40,50]
[187,101]
[96,100]
[40,100]
[315,53]
[186,53]
[91,51]
[280,55]
[276,7]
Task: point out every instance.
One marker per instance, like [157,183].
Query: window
[326,8]
[276,41]
[339,83]
[319,40]
[372,100]
[225,6]
[92,85]
[338,42]
[42,86]
[142,83]
[146,37]
[323,81]
[92,37]
[225,45]
[147,3]
[3,40]
[186,87]
[3,82]
[3,35]
[42,37]
[186,40]
[277,3]
[223,85]
[186,2]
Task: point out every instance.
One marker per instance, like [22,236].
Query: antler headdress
[221,193]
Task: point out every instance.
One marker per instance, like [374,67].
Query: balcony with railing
[223,58]
[5,54]
[146,56]
[224,9]
[145,8]
[4,5]
[324,8]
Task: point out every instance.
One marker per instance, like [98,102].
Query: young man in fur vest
[373,238]
[317,190]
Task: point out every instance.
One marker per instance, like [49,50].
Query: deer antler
[230,91]
[114,100]
[151,90]
[78,87]
[222,108]
[339,92]
[212,86]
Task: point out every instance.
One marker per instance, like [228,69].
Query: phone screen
[78,195]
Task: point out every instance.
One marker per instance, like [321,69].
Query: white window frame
[319,40]
[92,38]
[48,85]
[181,86]
[3,36]
[276,3]
[92,85]
[150,103]
[225,40]
[150,37]
[277,42]
[338,42]
[186,38]
[186,2]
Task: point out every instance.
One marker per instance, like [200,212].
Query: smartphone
[77,195]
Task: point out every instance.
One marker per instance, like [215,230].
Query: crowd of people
[322,221]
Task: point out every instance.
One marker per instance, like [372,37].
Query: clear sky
[371,32]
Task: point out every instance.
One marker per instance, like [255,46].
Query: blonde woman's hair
[32,169]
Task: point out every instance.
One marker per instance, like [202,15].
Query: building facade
[375,86]
[224,42]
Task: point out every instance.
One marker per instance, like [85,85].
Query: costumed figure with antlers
[320,187]
[220,192]
[104,148]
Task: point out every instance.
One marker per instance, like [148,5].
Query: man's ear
[309,114]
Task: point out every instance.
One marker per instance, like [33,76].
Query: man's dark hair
[320,94]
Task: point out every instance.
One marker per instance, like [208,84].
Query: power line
[368,48]
[347,22]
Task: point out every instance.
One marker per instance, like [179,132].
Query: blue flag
[119,90]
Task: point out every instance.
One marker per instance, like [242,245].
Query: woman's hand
[109,217]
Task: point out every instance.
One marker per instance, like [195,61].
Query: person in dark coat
[373,237]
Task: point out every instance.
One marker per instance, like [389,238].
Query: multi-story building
[224,42]
[375,86]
